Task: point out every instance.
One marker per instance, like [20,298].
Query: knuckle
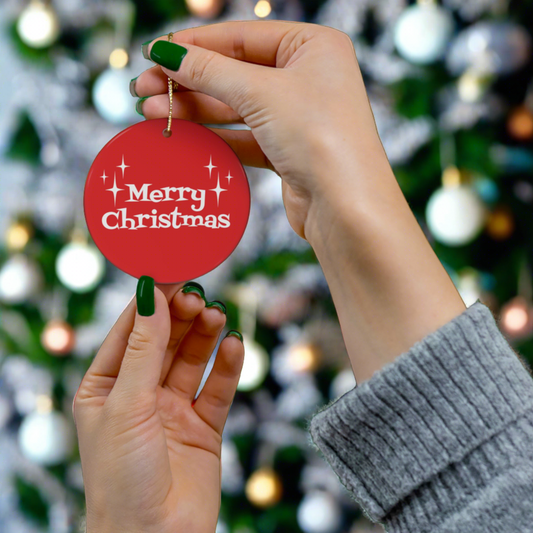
[138,343]
[201,67]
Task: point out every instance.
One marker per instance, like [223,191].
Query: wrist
[388,286]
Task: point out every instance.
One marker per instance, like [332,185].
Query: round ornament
[520,123]
[319,512]
[38,25]
[172,207]
[46,438]
[516,318]
[112,98]
[80,267]
[422,32]
[264,487]
[494,47]
[58,337]
[455,215]
[20,278]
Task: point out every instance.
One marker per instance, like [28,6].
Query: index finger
[254,41]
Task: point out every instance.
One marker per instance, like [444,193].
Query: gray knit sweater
[441,439]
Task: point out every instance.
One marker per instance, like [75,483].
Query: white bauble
[422,33]
[255,366]
[319,512]
[343,382]
[455,215]
[37,25]
[495,47]
[20,278]
[112,98]
[80,267]
[46,438]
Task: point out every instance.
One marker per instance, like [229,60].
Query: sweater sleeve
[441,439]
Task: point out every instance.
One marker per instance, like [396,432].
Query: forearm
[388,286]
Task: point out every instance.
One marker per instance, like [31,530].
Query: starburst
[210,166]
[218,189]
[114,189]
[123,166]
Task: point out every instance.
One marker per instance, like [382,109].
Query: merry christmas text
[120,219]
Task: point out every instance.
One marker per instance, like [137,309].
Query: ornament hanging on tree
[516,316]
[45,436]
[157,194]
[58,337]
[206,9]
[79,265]
[472,85]
[520,123]
[20,278]
[422,32]
[264,488]
[455,214]
[490,47]
[500,223]
[319,512]
[38,25]
[18,235]
[111,96]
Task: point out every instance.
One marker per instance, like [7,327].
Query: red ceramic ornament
[173,208]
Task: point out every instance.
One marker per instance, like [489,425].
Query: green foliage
[25,144]
[276,264]
[31,503]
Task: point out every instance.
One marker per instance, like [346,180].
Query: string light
[262,9]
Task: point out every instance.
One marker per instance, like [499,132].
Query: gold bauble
[500,223]
[304,357]
[264,488]
[520,123]
[18,235]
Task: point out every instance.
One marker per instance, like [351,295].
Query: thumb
[229,80]
[142,364]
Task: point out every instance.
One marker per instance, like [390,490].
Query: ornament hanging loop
[171,86]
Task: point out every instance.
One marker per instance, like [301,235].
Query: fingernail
[196,288]
[144,49]
[234,333]
[133,92]
[167,54]
[145,296]
[139,105]
[218,305]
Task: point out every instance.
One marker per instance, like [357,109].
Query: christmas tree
[450,88]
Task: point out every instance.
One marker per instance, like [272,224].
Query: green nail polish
[145,296]
[144,49]
[194,284]
[167,54]
[234,333]
[194,290]
[218,305]
[133,92]
[139,105]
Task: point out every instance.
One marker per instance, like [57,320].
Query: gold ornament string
[171,87]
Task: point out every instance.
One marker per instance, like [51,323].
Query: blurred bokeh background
[450,87]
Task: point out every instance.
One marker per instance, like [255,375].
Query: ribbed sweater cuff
[452,391]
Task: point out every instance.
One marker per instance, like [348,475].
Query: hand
[150,455]
[312,107]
